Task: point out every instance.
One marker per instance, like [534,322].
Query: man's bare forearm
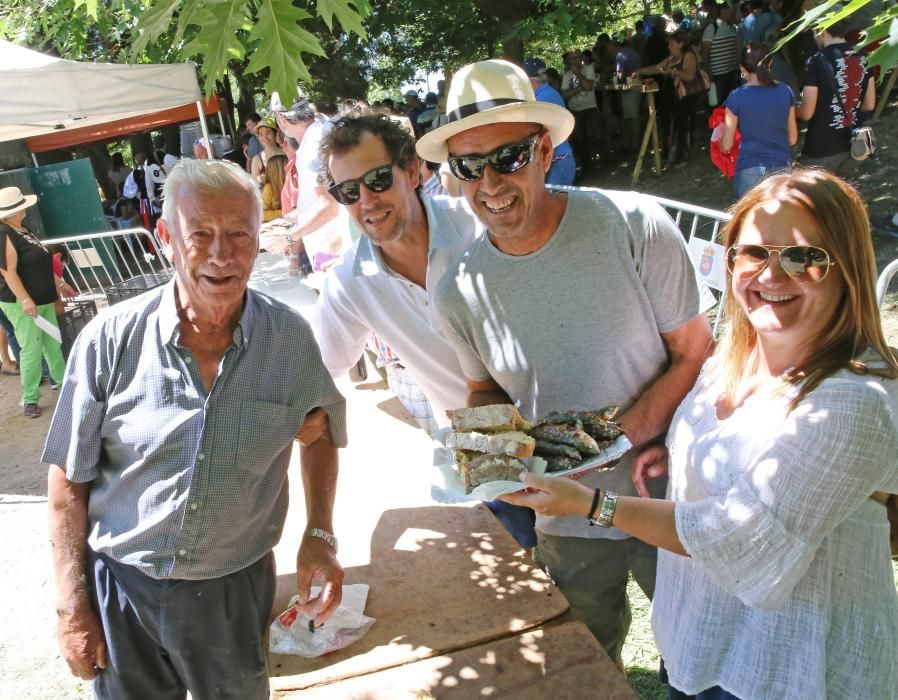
[68,524]
[319,463]
[650,416]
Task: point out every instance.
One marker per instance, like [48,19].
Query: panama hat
[492,92]
[12,200]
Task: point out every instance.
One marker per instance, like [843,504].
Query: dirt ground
[30,666]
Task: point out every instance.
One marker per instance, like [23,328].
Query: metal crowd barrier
[114,264]
[885,277]
[695,223]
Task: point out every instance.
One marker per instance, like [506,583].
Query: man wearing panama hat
[27,291]
[574,300]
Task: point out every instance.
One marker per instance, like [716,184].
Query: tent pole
[205,128]
[221,123]
[34,158]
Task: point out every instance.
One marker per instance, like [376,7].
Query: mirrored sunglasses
[378,179]
[505,159]
[804,263]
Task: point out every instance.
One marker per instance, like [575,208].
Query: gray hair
[207,176]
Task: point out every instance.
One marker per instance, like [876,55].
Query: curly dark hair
[347,134]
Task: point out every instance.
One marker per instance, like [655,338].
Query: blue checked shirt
[184,485]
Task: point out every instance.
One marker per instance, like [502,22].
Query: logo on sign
[707,261]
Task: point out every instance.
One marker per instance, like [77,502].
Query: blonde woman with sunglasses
[774,579]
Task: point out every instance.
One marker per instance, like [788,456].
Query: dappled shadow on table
[442,579]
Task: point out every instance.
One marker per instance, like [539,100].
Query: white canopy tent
[42,94]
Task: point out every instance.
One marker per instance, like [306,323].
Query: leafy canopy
[884,28]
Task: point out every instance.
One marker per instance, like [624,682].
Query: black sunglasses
[378,179]
[804,263]
[505,159]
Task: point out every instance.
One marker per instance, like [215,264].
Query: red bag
[725,162]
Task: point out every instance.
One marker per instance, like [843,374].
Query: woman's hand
[29,308]
[551,496]
[651,463]
[66,291]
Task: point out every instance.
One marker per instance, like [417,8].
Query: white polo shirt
[362,293]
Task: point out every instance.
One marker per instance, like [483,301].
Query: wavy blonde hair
[855,327]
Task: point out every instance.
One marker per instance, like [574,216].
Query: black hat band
[477,107]
[13,206]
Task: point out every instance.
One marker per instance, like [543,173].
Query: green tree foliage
[334,48]
[271,38]
[884,28]
[409,36]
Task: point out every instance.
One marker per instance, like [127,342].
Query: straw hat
[268,121]
[12,200]
[492,92]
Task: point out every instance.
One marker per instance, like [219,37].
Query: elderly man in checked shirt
[169,451]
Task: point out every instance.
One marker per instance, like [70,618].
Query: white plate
[447,485]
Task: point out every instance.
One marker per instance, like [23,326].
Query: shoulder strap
[828,69]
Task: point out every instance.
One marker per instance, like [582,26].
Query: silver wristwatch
[609,505]
[322,535]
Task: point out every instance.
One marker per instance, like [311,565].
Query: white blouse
[789,591]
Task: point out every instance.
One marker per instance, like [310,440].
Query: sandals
[10,372]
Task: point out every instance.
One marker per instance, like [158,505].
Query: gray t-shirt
[577,324]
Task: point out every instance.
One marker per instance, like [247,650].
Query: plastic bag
[725,162]
[293,633]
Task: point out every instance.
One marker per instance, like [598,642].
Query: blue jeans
[747,178]
[10,335]
[518,520]
[562,171]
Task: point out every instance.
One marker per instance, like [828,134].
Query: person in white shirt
[386,280]
[774,577]
[318,227]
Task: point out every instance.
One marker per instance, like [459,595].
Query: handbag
[699,83]
[863,141]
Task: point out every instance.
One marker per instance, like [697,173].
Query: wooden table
[443,579]
[557,661]
[651,126]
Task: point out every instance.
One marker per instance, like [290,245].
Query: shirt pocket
[266,430]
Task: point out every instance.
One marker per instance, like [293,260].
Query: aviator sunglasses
[505,159]
[803,263]
[378,179]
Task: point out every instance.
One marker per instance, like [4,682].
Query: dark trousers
[588,137]
[518,520]
[713,693]
[165,637]
[726,83]
[684,123]
[592,574]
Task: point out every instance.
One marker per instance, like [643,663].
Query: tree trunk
[100,162]
[508,15]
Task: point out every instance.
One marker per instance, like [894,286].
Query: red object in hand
[288,617]
[725,162]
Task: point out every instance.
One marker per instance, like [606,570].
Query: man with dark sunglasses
[385,283]
[574,300]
